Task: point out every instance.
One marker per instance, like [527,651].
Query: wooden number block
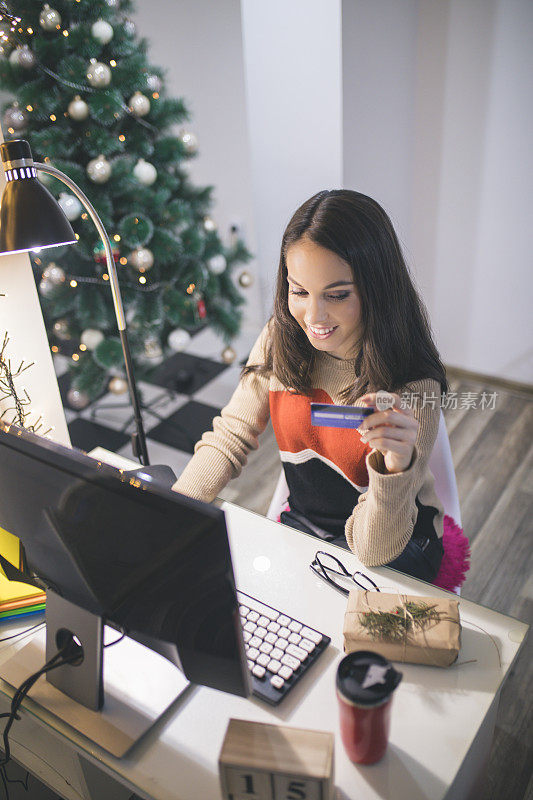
[273,762]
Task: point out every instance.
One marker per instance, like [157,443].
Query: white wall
[292,55]
[199,44]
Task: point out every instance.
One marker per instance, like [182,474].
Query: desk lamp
[31,219]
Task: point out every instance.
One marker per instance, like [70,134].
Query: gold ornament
[139,104]
[118,386]
[228,355]
[49,18]
[245,279]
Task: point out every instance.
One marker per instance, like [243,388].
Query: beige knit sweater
[333,477]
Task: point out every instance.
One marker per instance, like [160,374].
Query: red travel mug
[365,684]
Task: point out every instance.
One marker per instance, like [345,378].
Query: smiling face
[323,298]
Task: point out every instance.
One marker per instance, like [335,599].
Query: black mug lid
[366,678]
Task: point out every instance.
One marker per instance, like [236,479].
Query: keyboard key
[263,659]
[261,632]
[246,635]
[271,613]
[272,638]
[273,627]
[305,644]
[294,626]
[277,682]
[266,647]
[255,641]
[243,610]
[273,665]
[264,621]
[297,652]
[276,653]
[252,653]
[295,638]
[309,633]
[282,644]
[284,632]
[285,672]
[252,616]
[250,626]
[258,671]
[283,619]
[290,661]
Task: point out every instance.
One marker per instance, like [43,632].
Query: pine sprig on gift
[393,626]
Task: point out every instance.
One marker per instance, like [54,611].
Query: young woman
[347,322]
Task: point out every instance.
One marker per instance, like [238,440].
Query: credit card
[326,415]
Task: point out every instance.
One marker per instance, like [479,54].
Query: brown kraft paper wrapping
[437,643]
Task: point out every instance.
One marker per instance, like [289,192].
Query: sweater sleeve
[221,453]
[383,520]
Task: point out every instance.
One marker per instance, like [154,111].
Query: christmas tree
[90,104]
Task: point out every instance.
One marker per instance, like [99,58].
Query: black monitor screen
[146,559]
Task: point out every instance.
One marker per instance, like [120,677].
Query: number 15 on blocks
[273,762]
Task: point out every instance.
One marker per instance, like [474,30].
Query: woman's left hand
[393,432]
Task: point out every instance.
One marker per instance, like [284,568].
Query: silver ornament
[54,274]
[245,279]
[78,109]
[49,18]
[61,330]
[153,82]
[145,172]
[102,31]
[98,74]
[118,385]
[46,287]
[189,141]
[209,224]
[217,264]
[141,259]
[152,349]
[99,169]
[70,206]
[15,117]
[139,104]
[129,27]
[77,399]
[26,57]
[91,338]
[228,355]
[178,339]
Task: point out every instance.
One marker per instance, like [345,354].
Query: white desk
[442,719]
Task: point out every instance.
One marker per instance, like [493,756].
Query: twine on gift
[415,615]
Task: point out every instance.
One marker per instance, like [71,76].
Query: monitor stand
[130,684]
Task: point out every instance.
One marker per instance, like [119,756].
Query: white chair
[440,464]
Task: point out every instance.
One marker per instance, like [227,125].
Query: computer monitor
[122,550]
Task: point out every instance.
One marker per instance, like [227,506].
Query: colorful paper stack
[16,599]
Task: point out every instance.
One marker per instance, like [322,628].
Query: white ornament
[91,338]
[145,172]
[178,339]
[102,31]
[217,264]
[14,57]
[49,18]
[26,57]
[209,224]
[46,287]
[141,259]
[70,206]
[98,74]
[118,385]
[190,142]
[139,104]
[78,109]
[54,274]
[77,399]
[99,169]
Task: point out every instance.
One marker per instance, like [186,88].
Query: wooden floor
[492,450]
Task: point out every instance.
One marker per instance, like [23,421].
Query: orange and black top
[335,480]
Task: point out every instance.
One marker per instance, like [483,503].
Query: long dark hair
[396,346]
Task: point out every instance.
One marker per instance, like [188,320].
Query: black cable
[69,653]
[4,782]
[21,633]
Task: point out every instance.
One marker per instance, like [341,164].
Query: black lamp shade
[30,217]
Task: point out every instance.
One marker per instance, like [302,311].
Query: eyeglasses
[324,565]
